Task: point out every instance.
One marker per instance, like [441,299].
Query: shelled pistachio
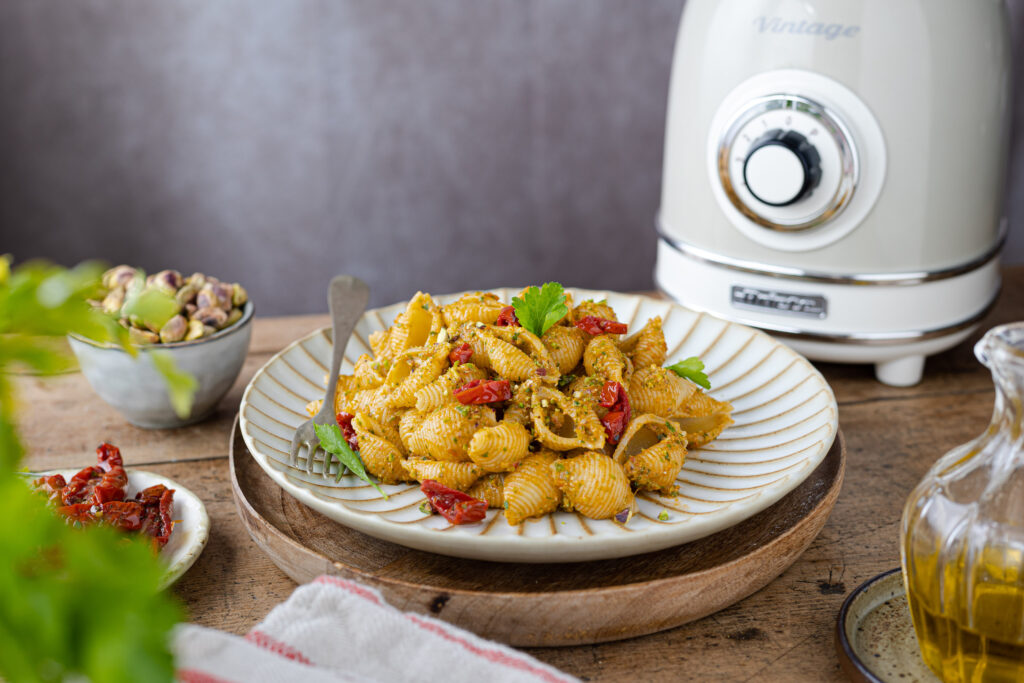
[205,305]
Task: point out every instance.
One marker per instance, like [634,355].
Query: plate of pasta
[544,425]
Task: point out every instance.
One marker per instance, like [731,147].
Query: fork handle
[347,297]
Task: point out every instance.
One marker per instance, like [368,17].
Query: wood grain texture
[781,633]
[549,604]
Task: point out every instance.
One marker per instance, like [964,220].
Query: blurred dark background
[437,145]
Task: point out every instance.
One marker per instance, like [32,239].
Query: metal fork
[347,297]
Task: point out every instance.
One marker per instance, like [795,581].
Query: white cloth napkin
[335,630]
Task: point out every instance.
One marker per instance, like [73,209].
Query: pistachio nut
[195,330]
[196,279]
[207,297]
[186,294]
[166,280]
[190,309]
[224,293]
[118,276]
[214,317]
[139,337]
[208,330]
[238,295]
[113,301]
[233,317]
[174,330]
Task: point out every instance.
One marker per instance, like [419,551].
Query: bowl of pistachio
[195,326]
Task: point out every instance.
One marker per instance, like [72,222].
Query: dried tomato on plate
[591,324]
[507,317]
[613,397]
[347,430]
[461,354]
[455,506]
[483,391]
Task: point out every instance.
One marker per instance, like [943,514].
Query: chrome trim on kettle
[790,273]
[861,338]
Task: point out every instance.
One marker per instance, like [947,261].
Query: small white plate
[191,528]
[785,421]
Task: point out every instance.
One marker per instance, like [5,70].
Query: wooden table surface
[783,632]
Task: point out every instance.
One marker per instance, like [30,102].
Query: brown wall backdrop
[420,144]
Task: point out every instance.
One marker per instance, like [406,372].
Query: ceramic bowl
[134,387]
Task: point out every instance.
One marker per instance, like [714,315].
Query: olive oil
[972,632]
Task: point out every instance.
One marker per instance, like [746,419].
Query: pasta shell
[408,423]
[381,457]
[660,391]
[499,448]
[489,488]
[531,490]
[646,347]
[643,432]
[454,475]
[373,402]
[380,343]
[655,468]
[445,434]
[427,366]
[603,357]
[412,327]
[313,407]
[508,361]
[565,345]
[594,485]
[481,307]
[441,390]
[562,423]
[545,369]
[368,373]
[702,418]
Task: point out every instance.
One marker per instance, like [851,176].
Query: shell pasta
[526,406]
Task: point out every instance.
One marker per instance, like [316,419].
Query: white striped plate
[785,413]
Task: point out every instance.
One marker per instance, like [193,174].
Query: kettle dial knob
[785,163]
[781,168]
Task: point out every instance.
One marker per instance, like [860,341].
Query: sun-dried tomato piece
[591,324]
[455,506]
[507,317]
[125,515]
[482,391]
[461,354]
[613,397]
[347,430]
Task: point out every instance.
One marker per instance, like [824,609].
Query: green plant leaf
[332,441]
[151,306]
[181,386]
[692,368]
[540,308]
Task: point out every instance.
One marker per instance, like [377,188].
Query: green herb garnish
[332,441]
[565,380]
[663,516]
[692,368]
[540,308]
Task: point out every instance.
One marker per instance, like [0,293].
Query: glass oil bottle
[963,537]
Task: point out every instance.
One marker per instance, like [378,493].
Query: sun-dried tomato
[613,397]
[591,324]
[125,515]
[507,317]
[347,430]
[482,391]
[455,506]
[461,354]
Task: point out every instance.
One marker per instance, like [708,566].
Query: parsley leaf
[332,441]
[539,309]
[692,368]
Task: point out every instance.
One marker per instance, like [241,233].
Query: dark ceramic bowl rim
[844,611]
[247,313]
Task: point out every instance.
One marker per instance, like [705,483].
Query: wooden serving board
[541,605]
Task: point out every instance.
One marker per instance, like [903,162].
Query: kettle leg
[900,372]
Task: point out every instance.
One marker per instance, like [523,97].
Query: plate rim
[490,548]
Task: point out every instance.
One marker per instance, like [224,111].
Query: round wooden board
[540,605]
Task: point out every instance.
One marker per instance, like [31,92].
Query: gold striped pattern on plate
[785,421]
